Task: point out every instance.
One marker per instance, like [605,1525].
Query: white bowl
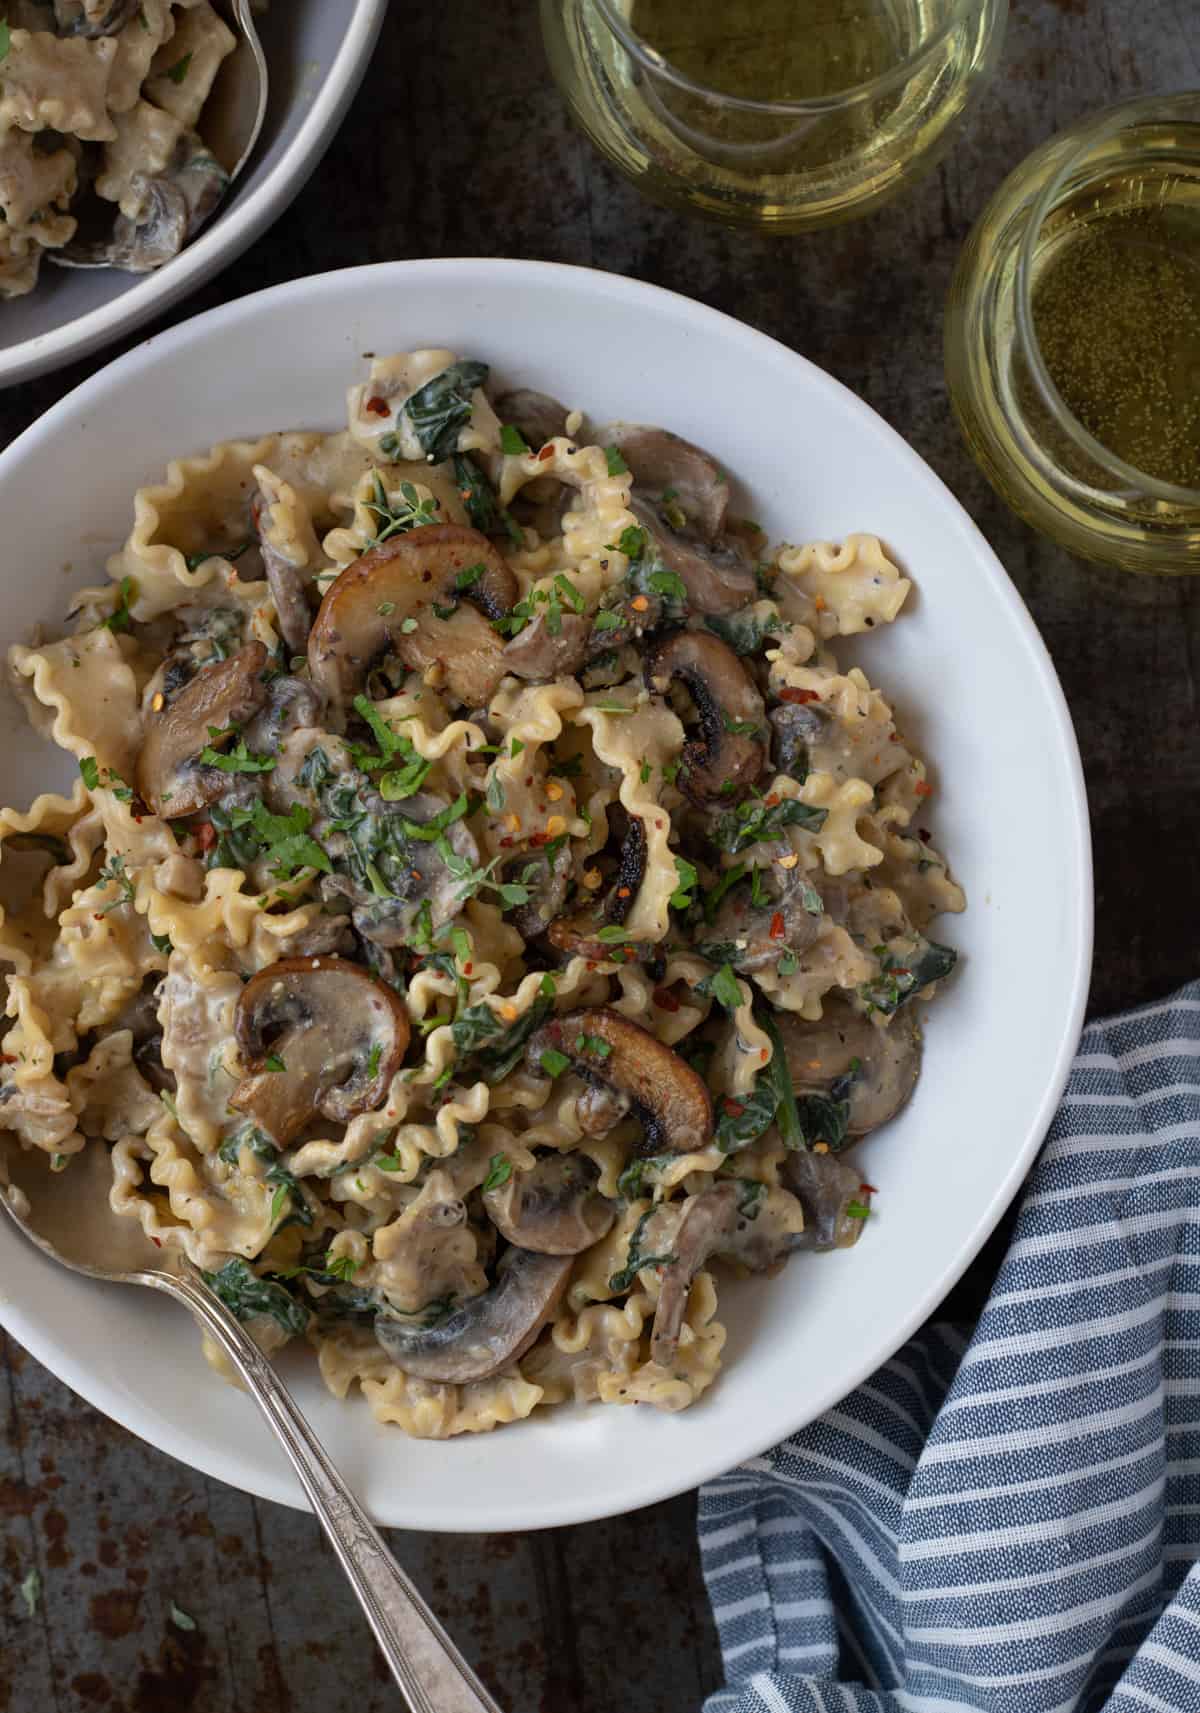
[971,678]
[317,52]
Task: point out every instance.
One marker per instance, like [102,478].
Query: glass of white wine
[780,114]
[1073,337]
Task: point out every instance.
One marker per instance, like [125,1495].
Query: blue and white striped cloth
[1009,1525]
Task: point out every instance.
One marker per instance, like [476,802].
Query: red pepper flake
[507,841]
[733,1108]
[529,779]
[535,839]
[799,696]
[8,1058]
[868,1189]
[771,799]
[97,915]
[778,930]
[206,835]
[923,788]
[377,406]
[156,1242]
[665,999]
[467,968]
[623,892]
[546,452]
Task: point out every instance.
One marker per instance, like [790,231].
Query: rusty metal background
[458,145]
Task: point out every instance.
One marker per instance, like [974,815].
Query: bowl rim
[508,1512]
[226,237]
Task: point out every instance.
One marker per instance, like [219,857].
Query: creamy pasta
[486,907]
[99,106]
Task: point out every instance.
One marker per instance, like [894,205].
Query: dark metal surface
[457,145]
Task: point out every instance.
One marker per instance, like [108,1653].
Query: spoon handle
[431,1673]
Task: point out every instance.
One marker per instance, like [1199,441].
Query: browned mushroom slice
[681,497]
[289,585]
[170,776]
[753,937]
[547,879]
[579,935]
[826,1188]
[487,1332]
[536,416]
[881,1063]
[729,753]
[535,653]
[553,1208]
[665,1093]
[319,1035]
[437,578]
[677,472]
[737,1221]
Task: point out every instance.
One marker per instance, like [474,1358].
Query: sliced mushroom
[799,726]
[729,751]
[289,585]
[319,1035]
[537,416]
[826,1187]
[170,776]
[753,937]
[534,653]
[667,1096]
[599,1109]
[578,935]
[291,705]
[882,1063]
[681,497]
[173,206]
[553,1208]
[407,580]
[487,1332]
[759,1231]
[547,880]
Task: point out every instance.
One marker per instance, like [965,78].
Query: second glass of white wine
[781,114]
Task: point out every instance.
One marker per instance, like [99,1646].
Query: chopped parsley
[236,760]
[499,1172]
[686,878]
[553,1062]
[512,441]
[119,618]
[616,464]
[724,987]
[179,70]
[752,822]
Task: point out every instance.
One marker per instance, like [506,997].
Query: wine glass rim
[654,61]
[1084,138]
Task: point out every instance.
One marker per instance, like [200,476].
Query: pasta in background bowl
[535,970]
[316,51]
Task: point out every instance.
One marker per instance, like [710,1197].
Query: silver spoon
[232,119]
[67,1214]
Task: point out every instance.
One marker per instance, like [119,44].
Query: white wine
[773,50]
[784,114]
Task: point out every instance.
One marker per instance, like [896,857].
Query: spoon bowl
[69,1216]
[233,119]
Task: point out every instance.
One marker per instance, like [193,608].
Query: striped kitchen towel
[1009,1524]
